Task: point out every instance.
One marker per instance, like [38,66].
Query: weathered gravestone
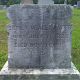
[45,2]
[78,4]
[40,37]
[2,7]
[26,1]
[65,1]
[39,43]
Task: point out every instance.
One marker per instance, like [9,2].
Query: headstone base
[36,74]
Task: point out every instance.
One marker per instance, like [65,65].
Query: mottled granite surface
[39,36]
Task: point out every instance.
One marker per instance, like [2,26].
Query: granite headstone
[2,7]
[40,37]
[39,43]
[78,4]
[65,1]
[26,1]
[45,2]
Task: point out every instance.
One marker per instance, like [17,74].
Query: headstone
[26,1]
[42,40]
[78,4]
[65,1]
[2,7]
[39,43]
[75,6]
[45,2]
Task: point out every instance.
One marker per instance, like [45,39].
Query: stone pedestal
[37,74]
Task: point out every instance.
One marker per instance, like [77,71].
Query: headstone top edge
[57,7]
[25,5]
[42,4]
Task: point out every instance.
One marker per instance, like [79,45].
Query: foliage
[9,2]
[58,1]
[3,2]
[35,1]
[72,2]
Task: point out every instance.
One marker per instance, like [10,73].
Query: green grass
[75,38]
[3,37]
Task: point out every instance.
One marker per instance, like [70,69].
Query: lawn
[75,37]
[3,38]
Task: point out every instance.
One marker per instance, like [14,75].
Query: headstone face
[26,1]
[78,4]
[45,2]
[39,36]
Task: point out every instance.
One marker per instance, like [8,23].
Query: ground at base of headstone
[37,74]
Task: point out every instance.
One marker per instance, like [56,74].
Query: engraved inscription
[39,36]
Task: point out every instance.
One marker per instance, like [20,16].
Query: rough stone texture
[45,2]
[39,36]
[37,74]
[78,4]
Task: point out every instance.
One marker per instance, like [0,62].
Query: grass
[75,37]
[3,37]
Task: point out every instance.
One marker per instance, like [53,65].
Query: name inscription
[39,37]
